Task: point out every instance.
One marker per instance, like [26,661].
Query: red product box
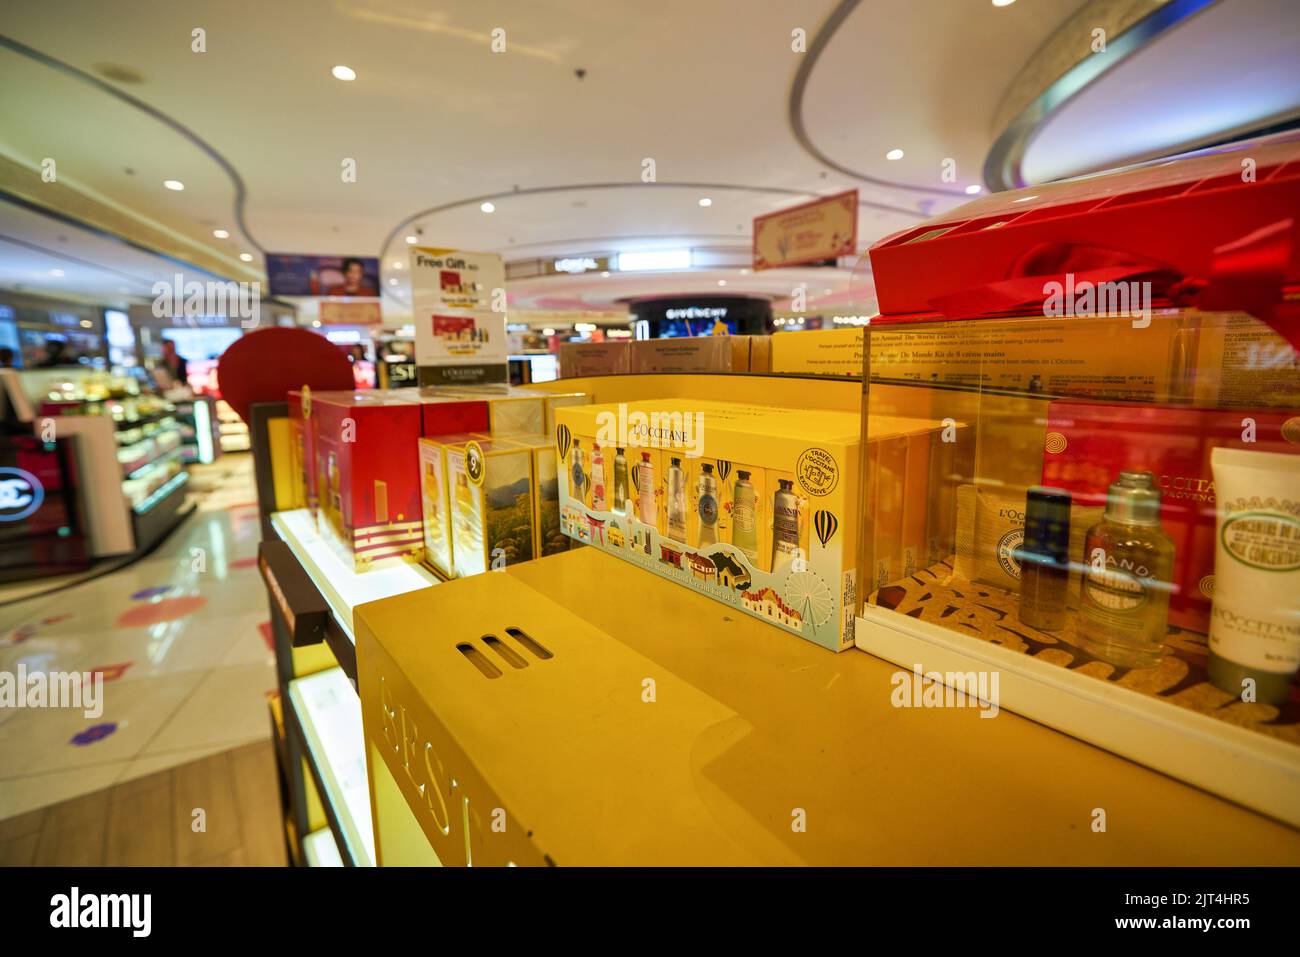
[1089,443]
[447,415]
[368,475]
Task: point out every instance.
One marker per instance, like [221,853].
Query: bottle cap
[618,449]
[1047,524]
[708,469]
[675,462]
[1133,499]
[645,456]
[786,484]
[742,475]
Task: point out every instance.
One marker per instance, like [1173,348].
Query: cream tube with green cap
[1255,621]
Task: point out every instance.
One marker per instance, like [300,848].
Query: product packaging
[1089,444]
[763,503]
[595,358]
[490,501]
[302,455]
[836,352]
[1255,622]
[691,354]
[367,475]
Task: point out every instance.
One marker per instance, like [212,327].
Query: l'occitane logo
[1056,443]
[1265,540]
[1291,430]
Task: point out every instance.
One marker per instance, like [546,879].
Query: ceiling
[555,131]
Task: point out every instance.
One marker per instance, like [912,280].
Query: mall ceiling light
[548,332]
[658,259]
[894,154]
[488,207]
[344,73]
[316,323]
[973,189]
[1003,3]
[412,240]
[705,201]
[722,282]
[220,234]
[246,257]
[175,184]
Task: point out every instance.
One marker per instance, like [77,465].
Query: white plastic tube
[1255,621]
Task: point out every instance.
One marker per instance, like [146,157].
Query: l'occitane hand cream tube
[1255,621]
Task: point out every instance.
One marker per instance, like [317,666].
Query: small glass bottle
[1045,559]
[620,480]
[1128,563]
[744,520]
[707,505]
[676,501]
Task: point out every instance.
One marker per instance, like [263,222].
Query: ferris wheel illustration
[809,595]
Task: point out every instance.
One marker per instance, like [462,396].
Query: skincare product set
[413,474]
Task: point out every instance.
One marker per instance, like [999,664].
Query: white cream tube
[1255,621]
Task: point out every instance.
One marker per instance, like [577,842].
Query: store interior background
[602,132]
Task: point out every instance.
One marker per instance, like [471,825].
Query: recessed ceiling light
[56,272]
[316,323]
[487,207]
[87,324]
[345,73]
[548,332]
[392,282]
[973,188]
[397,264]
[412,240]
[1003,3]
[220,234]
[174,184]
[246,257]
[894,154]
[705,201]
[722,282]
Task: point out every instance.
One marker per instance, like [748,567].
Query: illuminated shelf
[325,711]
[343,587]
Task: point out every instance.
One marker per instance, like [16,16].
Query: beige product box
[760,353]
[694,354]
[836,352]
[594,358]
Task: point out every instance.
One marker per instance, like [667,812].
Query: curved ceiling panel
[1229,68]
[928,85]
[75,148]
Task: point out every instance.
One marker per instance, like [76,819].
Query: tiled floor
[219,810]
[177,635]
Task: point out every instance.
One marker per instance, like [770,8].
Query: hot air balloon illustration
[825,524]
[562,439]
[723,469]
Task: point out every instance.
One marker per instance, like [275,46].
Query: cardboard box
[798,570]
[693,354]
[368,476]
[302,457]
[835,352]
[480,502]
[1088,444]
[612,357]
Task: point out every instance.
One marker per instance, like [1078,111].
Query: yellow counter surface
[758,747]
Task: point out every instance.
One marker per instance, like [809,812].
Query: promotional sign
[458,336]
[293,275]
[349,313]
[824,229]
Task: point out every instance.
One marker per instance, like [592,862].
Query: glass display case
[1106,531]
